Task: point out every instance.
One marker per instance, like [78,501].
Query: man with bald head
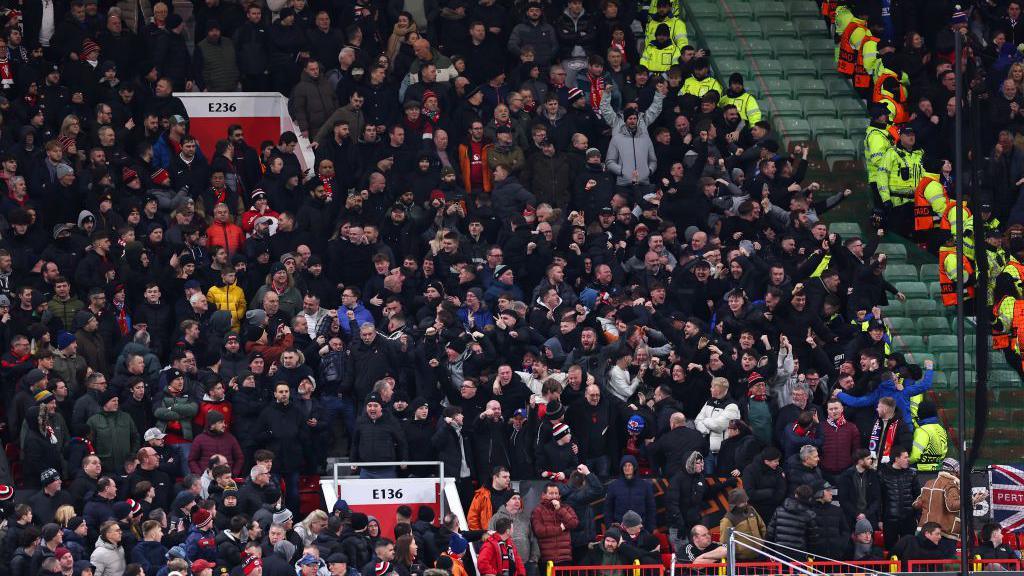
[670,450]
[149,470]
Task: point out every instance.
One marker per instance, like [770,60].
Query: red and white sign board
[380,498]
[262,115]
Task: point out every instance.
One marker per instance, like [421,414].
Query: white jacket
[620,385]
[714,419]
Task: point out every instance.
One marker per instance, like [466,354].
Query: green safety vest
[929,449]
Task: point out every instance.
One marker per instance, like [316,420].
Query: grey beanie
[631,519]
[863,525]
[283,516]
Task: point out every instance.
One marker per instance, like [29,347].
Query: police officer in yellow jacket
[900,171]
[877,142]
[660,54]
[930,439]
[744,101]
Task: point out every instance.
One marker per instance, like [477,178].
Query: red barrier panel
[845,567]
[621,570]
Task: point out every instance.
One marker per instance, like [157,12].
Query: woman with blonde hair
[64,514]
[309,528]
[108,557]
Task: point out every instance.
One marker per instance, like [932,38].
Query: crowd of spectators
[539,242]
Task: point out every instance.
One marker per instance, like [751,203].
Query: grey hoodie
[627,150]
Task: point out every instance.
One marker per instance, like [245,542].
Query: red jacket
[226,234]
[493,558]
[555,543]
[838,446]
[206,445]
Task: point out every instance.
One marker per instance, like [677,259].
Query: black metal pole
[966,507]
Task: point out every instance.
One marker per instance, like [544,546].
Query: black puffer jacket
[834,537]
[379,440]
[765,487]
[795,525]
[899,489]
[685,496]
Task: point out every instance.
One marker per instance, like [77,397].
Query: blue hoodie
[636,494]
[888,388]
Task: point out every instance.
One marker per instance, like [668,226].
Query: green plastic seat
[704,11]
[894,309]
[918,307]
[1004,378]
[713,28]
[827,127]
[768,68]
[726,66]
[932,325]
[754,48]
[810,27]
[820,46]
[929,273]
[909,342]
[947,362]
[899,272]
[918,357]
[748,28]
[803,9]
[837,150]
[776,87]
[837,85]
[784,46]
[934,290]
[784,107]
[826,66]
[766,9]
[899,326]
[723,48]
[792,129]
[738,9]
[939,380]
[800,67]
[849,107]
[809,86]
[845,229]
[939,343]
[894,252]
[913,289]
[855,126]
[777,27]
[818,106]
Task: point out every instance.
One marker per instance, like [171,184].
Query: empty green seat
[855,126]
[809,86]
[934,290]
[803,8]
[894,252]
[748,28]
[775,27]
[1004,378]
[755,48]
[777,87]
[767,67]
[913,289]
[901,326]
[820,46]
[917,357]
[845,229]
[818,106]
[767,9]
[894,308]
[837,150]
[939,343]
[800,68]
[704,10]
[783,46]
[786,107]
[712,28]
[846,107]
[825,64]
[738,9]
[723,48]
[929,272]
[932,325]
[918,308]
[726,66]
[939,380]
[821,126]
[837,85]
[792,129]
[909,342]
[899,272]
[810,27]
[947,362]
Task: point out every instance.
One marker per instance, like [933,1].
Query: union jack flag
[1006,487]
